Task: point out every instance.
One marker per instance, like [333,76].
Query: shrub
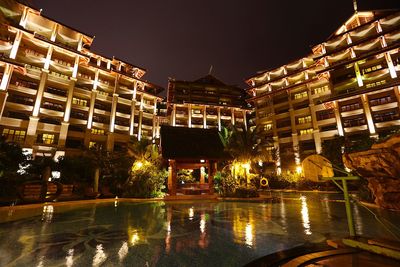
[146,182]
[245,192]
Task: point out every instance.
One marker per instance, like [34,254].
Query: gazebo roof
[181,143]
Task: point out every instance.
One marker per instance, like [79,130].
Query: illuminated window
[300,95]
[321,89]
[372,69]
[196,111]
[98,131]
[370,85]
[92,144]
[102,93]
[48,139]
[306,131]
[14,135]
[303,120]
[267,127]
[80,102]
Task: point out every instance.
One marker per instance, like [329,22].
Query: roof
[191,144]
[210,79]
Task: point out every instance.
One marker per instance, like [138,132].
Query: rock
[381,167]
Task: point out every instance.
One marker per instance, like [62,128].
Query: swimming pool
[184,233]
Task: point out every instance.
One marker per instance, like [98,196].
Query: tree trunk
[96,180]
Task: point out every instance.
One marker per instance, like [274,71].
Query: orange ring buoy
[264,182]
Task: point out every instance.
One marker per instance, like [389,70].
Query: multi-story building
[348,85]
[56,94]
[206,103]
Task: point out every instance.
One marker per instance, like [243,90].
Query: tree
[11,157]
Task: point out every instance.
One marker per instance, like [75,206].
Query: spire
[211,68]
[355,6]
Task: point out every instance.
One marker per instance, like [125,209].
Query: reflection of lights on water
[191,213]
[116,202]
[305,216]
[358,220]
[70,258]
[135,238]
[249,235]
[100,256]
[123,251]
[203,223]
[47,214]
[168,226]
[40,264]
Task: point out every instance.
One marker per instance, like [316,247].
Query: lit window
[14,135]
[303,120]
[196,111]
[301,95]
[306,131]
[80,102]
[98,131]
[48,139]
[321,89]
[267,127]
[92,144]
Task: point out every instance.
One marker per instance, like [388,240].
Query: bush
[145,182]
[246,192]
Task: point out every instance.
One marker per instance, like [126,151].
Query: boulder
[380,165]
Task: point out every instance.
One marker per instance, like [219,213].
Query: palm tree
[245,146]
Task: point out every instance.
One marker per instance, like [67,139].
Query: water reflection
[69,258]
[191,213]
[47,214]
[123,251]
[244,226]
[100,256]
[305,216]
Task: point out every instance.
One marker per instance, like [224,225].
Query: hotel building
[347,86]
[56,94]
[206,103]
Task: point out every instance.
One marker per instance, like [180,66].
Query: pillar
[219,118]
[244,119]
[172,172]
[63,134]
[17,41]
[31,131]
[173,115]
[91,109]
[5,81]
[233,116]
[140,125]
[202,174]
[3,100]
[211,172]
[205,117]
[389,61]
[110,142]
[113,112]
[396,92]
[189,115]
[39,94]
[48,58]
[338,119]
[368,115]
[316,133]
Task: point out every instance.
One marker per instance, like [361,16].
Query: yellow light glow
[191,213]
[305,216]
[134,238]
[299,170]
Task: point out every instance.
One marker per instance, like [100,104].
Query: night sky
[182,38]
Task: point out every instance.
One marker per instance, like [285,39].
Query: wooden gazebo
[191,148]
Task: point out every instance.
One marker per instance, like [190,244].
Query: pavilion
[191,148]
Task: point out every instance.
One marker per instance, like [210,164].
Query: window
[196,111]
[92,144]
[325,114]
[372,69]
[381,100]
[306,131]
[48,139]
[371,85]
[321,90]
[300,95]
[303,120]
[267,127]
[98,131]
[79,102]
[350,107]
[102,93]
[14,135]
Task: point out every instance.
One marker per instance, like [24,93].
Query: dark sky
[182,38]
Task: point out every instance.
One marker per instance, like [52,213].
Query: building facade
[206,103]
[347,86]
[56,94]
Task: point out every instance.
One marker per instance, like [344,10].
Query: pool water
[192,233]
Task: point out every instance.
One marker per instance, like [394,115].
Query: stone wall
[381,167]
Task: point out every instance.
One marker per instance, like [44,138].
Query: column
[338,119]
[205,117]
[189,115]
[54,33]
[39,94]
[31,131]
[202,174]
[389,61]
[368,115]
[211,172]
[133,107]
[140,117]
[245,119]
[91,109]
[396,92]
[5,81]
[172,178]
[48,58]
[233,116]
[173,115]
[295,138]
[67,112]
[17,41]
[219,118]
[113,112]
[316,133]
